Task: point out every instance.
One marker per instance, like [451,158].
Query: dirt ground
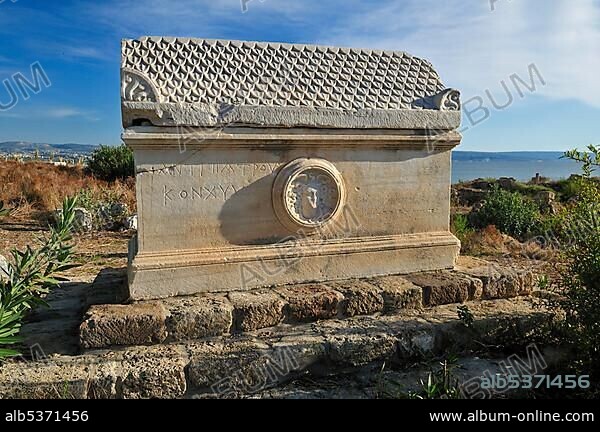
[94,251]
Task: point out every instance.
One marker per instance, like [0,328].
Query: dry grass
[93,251]
[33,189]
[490,242]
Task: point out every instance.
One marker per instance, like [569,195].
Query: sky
[528,70]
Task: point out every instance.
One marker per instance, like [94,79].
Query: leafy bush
[590,160]
[530,189]
[569,188]
[112,163]
[510,212]
[581,282]
[31,274]
[460,227]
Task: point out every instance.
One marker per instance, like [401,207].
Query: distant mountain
[29,147]
[506,156]
[83,149]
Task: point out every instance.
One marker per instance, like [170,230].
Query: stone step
[259,360]
[380,380]
[195,317]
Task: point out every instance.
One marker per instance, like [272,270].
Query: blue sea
[520,165]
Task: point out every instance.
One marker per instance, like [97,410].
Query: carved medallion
[308,193]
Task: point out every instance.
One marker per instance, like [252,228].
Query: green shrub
[569,188]
[580,284]
[31,274]
[112,163]
[461,227]
[510,212]
[529,189]
[590,160]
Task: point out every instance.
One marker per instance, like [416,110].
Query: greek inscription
[167,195]
[206,170]
[175,170]
[198,193]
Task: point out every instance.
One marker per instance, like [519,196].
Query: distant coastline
[520,165]
[467,165]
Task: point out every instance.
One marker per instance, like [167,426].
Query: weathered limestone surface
[137,324]
[201,316]
[299,184]
[308,303]
[234,366]
[360,298]
[257,309]
[214,364]
[138,373]
[365,341]
[398,293]
[501,282]
[287,93]
[58,378]
[347,259]
[446,287]
[371,382]
[55,329]
[191,318]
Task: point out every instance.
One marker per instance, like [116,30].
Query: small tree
[112,163]
[581,281]
[590,160]
[510,212]
[31,274]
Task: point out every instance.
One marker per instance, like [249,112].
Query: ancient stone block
[109,287]
[308,303]
[360,297]
[50,379]
[198,317]
[230,367]
[256,309]
[443,287]
[398,293]
[156,372]
[358,341]
[502,282]
[134,324]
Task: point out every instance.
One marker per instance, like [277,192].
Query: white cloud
[215,18]
[50,112]
[57,113]
[474,48]
[63,112]
[81,52]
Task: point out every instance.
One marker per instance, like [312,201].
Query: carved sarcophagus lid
[261,164]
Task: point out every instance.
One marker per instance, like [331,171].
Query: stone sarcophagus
[260,164]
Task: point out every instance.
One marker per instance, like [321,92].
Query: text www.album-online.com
[536,416]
